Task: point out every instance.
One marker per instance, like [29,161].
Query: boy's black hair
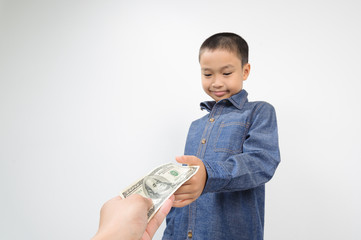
[227,41]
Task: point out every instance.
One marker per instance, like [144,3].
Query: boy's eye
[207,74]
[228,73]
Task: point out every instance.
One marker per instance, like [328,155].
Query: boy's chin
[217,99]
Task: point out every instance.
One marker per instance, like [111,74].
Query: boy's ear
[245,71]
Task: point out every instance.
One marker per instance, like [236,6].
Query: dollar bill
[160,184]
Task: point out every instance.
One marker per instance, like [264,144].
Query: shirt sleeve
[258,161]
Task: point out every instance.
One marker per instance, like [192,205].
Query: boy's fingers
[185,189]
[182,197]
[181,159]
[182,203]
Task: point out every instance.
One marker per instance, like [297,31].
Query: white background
[94,94]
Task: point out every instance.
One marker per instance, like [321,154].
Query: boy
[236,147]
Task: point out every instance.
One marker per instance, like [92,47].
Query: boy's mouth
[219,93]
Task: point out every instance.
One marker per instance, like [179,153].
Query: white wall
[94,94]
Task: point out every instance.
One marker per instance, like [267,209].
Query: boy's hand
[193,188]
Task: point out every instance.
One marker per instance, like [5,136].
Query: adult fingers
[158,218]
[142,201]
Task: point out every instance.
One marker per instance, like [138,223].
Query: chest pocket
[230,137]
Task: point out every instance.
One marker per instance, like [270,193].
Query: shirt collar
[237,100]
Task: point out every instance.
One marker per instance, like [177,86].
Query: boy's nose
[217,83]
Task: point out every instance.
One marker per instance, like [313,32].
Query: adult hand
[193,188]
[126,219]
[157,219]
[123,218]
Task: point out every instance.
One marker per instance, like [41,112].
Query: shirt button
[203,141]
[211,120]
[190,235]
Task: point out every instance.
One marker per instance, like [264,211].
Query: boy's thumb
[189,160]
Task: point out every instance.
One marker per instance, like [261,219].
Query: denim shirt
[238,144]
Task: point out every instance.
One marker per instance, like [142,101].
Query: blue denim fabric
[240,152]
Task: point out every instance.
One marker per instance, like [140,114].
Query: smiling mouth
[219,93]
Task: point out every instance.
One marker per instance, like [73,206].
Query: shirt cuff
[217,177]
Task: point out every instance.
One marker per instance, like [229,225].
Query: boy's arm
[252,168]
[255,165]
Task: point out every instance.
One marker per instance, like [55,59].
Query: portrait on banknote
[157,187]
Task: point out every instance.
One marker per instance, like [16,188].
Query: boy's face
[222,73]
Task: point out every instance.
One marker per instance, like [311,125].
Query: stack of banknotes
[160,184]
